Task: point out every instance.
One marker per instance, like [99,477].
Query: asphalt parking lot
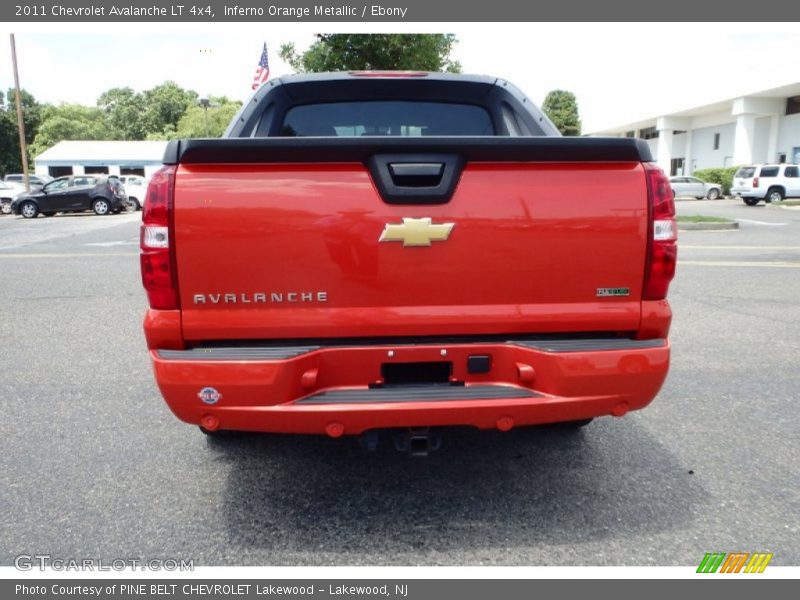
[94,465]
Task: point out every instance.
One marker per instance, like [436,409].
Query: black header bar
[410,11]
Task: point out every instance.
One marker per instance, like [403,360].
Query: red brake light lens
[662,251]
[156,243]
[388,73]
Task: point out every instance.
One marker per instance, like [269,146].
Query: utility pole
[20,120]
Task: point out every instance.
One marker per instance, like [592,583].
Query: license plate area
[413,373]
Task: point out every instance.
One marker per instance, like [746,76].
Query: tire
[751,201]
[101,206]
[775,195]
[5,207]
[713,194]
[29,210]
[134,205]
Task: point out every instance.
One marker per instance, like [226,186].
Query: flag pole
[20,120]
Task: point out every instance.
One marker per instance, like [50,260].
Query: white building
[111,158]
[763,127]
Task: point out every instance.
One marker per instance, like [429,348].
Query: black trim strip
[234,353]
[589,345]
[360,149]
[433,393]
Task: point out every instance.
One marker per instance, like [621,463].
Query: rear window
[769,171]
[746,172]
[386,118]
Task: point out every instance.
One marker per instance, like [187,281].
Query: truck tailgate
[270,251]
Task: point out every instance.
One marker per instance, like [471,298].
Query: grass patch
[789,203]
[702,219]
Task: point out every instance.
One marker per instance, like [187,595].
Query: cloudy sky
[619,72]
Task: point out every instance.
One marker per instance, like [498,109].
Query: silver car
[9,191]
[694,187]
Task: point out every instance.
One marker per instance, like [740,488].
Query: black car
[76,193]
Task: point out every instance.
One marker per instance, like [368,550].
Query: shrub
[721,175]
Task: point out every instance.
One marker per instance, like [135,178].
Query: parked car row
[751,183]
[103,194]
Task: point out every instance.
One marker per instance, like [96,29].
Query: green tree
[9,143]
[165,105]
[562,109]
[199,122]
[70,122]
[10,160]
[125,113]
[383,51]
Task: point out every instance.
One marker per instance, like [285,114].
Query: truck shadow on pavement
[529,487]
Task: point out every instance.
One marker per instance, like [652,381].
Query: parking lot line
[754,222]
[694,247]
[740,263]
[68,254]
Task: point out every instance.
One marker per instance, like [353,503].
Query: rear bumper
[747,193]
[326,389]
[118,202]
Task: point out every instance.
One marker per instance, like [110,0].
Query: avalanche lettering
[137,11]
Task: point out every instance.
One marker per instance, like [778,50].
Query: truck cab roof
[511,111]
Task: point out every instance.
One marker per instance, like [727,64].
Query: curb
[707,226]
[690,199]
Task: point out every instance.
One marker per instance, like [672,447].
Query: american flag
[262,72]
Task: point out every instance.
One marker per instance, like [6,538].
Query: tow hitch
[416,441]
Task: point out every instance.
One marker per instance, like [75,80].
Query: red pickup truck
[364,251]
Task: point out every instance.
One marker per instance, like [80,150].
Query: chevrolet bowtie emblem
[416,232]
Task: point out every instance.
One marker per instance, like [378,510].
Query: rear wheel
[775,195]
[712,194]
[5,207]
[29,210]
[101,206]
[133,204]
[751,201]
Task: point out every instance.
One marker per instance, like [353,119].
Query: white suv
[135,188]
[771,183]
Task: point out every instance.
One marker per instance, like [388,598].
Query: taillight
[662,249]
[755,182]
[157,242]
